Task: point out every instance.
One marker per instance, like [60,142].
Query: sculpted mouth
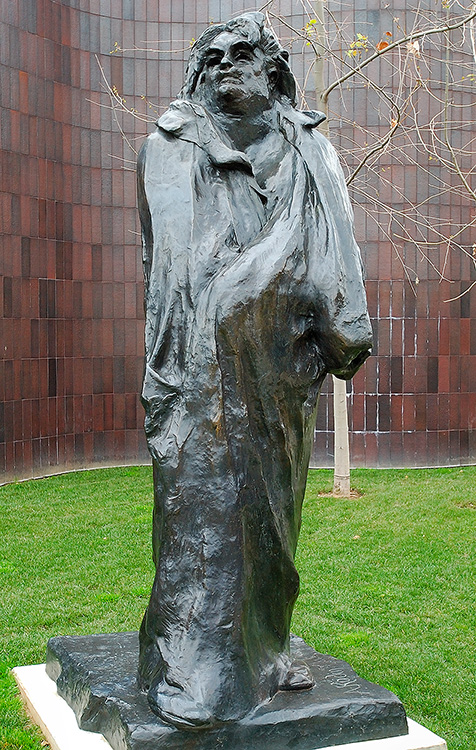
[229,77]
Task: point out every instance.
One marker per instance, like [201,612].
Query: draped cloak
[252,294]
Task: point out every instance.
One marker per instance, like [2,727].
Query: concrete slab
[52,714]
[58,722]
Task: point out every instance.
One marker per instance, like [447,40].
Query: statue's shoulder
[299,118]
[300,127]
[315,148]
[168,145]
[311,118]
[180,115]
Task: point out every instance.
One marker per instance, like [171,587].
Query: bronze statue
[253,293]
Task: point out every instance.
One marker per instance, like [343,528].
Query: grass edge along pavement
[387,580]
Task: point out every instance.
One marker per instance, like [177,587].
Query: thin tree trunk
[341,440]
[341,426]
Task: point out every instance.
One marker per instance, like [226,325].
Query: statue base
[96,675]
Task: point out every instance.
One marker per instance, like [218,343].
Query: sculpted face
[236,76]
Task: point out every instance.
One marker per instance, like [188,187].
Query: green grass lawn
[388,580]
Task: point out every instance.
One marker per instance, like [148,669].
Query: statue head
[239,61]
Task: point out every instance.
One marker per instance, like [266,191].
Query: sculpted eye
[243,54]
[213,59]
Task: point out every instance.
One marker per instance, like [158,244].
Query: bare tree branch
[412,37]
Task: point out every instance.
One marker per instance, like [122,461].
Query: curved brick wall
[70,292]
[71,329]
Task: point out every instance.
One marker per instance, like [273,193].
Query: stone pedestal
[96,675]
[59,726]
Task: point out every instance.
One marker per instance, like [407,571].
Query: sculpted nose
[225,62]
